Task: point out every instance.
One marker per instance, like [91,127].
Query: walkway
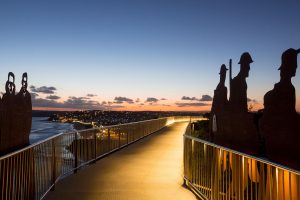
[149,169]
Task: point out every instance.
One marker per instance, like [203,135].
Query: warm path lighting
[149,169]
[216,172]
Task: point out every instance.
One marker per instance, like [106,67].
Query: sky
[143,54]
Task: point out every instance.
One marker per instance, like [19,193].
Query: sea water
[41,129]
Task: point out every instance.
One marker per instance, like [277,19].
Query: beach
[42,128]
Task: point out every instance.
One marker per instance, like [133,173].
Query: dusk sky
[143,54]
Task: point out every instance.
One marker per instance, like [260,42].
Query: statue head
[289,63]
[10,84]
[24,81]
[245,61]
[222,73]
[223,69]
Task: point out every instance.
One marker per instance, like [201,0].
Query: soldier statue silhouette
[238,85]
[220,101]
[235,128]
[280,123]
[243,135]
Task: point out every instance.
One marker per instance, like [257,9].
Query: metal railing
[215,172]
[32,172]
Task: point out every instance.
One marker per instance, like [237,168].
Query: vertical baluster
[11,177]
[13,172]
[119,133]
[53,165]
[127,135]
[240,178]
[229,175]
[36,170]
[192,163]
[247,176]
[199,166]
[223,174]
[202,165]
[22,175]
[251,179]
[95,145]
[18,176]
[75,152]
[226,174]
[7,178]
[108,139]
[257,180]
[205,170]
[1,180]
[48,160]
[262,184]
[44,164]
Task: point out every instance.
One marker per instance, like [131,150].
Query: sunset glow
[86,55]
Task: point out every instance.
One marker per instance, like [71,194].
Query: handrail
[79,131]
[84,130]
[30,146]
[263,160]
[215,172]
[31,172]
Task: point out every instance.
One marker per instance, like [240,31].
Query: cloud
[252,100]
[104,103]
[203,98]
[151,100]
[163,99]
[43,89]
[206,98]
[91,95]
[191,104]
[39,102]
[34,95]
[120,100]
[52,97]
[81,103]
[137,100]
[189,98]
[116,106]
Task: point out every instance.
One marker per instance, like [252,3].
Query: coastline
[42,128]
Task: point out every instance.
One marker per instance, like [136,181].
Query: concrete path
[147,170]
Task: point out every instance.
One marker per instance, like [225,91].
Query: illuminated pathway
[149,169]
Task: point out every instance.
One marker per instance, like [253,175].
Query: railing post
[95,146]
[53,165]
[184,162]
[108,139]
[119,131]
[75,153]
[127,135]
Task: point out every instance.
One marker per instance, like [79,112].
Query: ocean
[42,129]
